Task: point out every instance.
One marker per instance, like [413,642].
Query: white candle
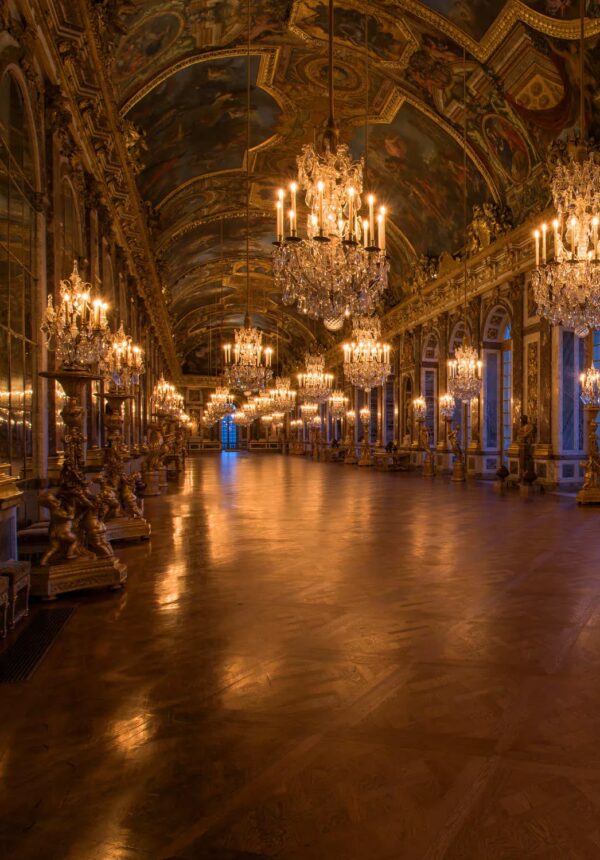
[536,234]
[293,189]
[371,200]
[292,221]
[366,233]
[379,231]
[382,212]
[544,229]
[351,212]
[279,221]
[320,187]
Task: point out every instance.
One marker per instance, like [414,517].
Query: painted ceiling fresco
[180,77]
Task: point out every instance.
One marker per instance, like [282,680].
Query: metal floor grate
[21,659]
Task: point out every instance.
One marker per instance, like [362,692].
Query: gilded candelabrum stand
[350,443]
[365,450]
[124,518]
[79,554]
[458,458]
[152,464]
[425,443]
[589,494]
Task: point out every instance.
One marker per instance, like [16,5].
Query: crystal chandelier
[123,361]
[249,367]
[341,267]
[464,370]
[464,373]
[567,288]
[308,411]
[77,328]
[314,385]
[337,403]
[221,401]
[243,418]
[366,359]
[283,396]
[166,399]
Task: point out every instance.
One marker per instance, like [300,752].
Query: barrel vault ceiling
[179,74]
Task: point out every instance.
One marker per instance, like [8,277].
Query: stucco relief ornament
[566,280]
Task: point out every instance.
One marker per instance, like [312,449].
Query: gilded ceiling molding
[112,145]
[202,177]
[269,58]
[397,24]
[513,12]
[231,215]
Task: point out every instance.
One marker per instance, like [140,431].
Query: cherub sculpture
[64,542]
[129,500]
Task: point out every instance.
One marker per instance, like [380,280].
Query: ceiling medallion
[314,385]
[366,358]
[340,267]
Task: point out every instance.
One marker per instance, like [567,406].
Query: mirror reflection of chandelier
[341,267]
[567,287]
[283,396]
[314,385]
[464,373]
[77,327]
[366,358]
[248,364]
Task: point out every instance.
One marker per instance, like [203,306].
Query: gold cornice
[397,24]
[513,12]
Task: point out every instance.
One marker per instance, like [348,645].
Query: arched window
[17,276]
[497,382]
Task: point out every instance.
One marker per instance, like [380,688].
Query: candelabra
[447,407]
[122,362]
[77,327]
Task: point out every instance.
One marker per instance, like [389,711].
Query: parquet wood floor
[313,661]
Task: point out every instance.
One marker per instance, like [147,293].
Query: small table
[18,576]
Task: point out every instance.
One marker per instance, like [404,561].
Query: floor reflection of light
[133,732]
[168,588]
